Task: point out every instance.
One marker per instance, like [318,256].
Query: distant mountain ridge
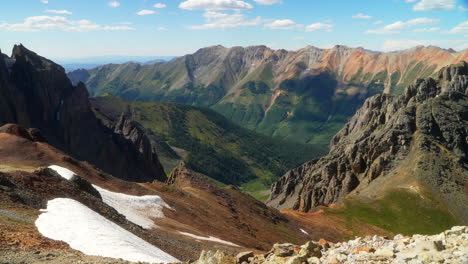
[305,95]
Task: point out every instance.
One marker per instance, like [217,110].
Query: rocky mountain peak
[384,133]
[36,93]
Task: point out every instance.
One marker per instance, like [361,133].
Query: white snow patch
[64,172]
[303,231]
[214,239]
[137,209]
[87,231]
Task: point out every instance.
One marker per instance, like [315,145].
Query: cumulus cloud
[45,1]
[215,5]
[461,28]
[61,12]
[399,26]
[433,29]
[429,5]
[268,2]
[219,20]
[113,4]
[161,28]
[361,16]
[145,12]
[159,5]
[282,24]
[60,23]
[410,1]
[288,24]
[319,26]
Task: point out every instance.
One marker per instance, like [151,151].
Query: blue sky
[85,28]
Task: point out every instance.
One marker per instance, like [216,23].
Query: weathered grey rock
[244,256]
[415,249]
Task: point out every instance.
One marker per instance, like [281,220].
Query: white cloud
[45,1]
[283,24]
[433,29]
[62,12]
[159,5]
[401,44]
[399,26]
[361,16]
[145,12]
[49,23]
[378,22]
[161,28]
[268,2]
[215,5]
[328,21]
[218,20]
[113,4]
[319,26]
[410,1]
[461,28]
[429,5]
[461,8]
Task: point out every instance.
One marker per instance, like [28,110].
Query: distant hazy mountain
[305,95]
[71,64]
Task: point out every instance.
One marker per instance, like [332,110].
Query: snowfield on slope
[64,172]
[213,239]
[139,210]
[87,231]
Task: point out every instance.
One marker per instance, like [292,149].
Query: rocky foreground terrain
[450,246]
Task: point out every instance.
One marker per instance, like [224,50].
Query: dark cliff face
[429,120]
[36,93]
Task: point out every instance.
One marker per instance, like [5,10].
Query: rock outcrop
[447,247]
[427,127]
[36,93]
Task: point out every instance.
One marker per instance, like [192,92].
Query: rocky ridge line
[430,116]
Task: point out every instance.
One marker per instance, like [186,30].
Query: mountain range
[79,172]
[305,95]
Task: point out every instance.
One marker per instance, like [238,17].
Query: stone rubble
[450,246]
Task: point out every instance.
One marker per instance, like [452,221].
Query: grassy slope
[399,211]
[216,147]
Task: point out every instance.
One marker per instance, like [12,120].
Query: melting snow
[214,239]
[87,231]
[137,209]
[303,231]
[64,172]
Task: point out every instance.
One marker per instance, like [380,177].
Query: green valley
[211,144]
